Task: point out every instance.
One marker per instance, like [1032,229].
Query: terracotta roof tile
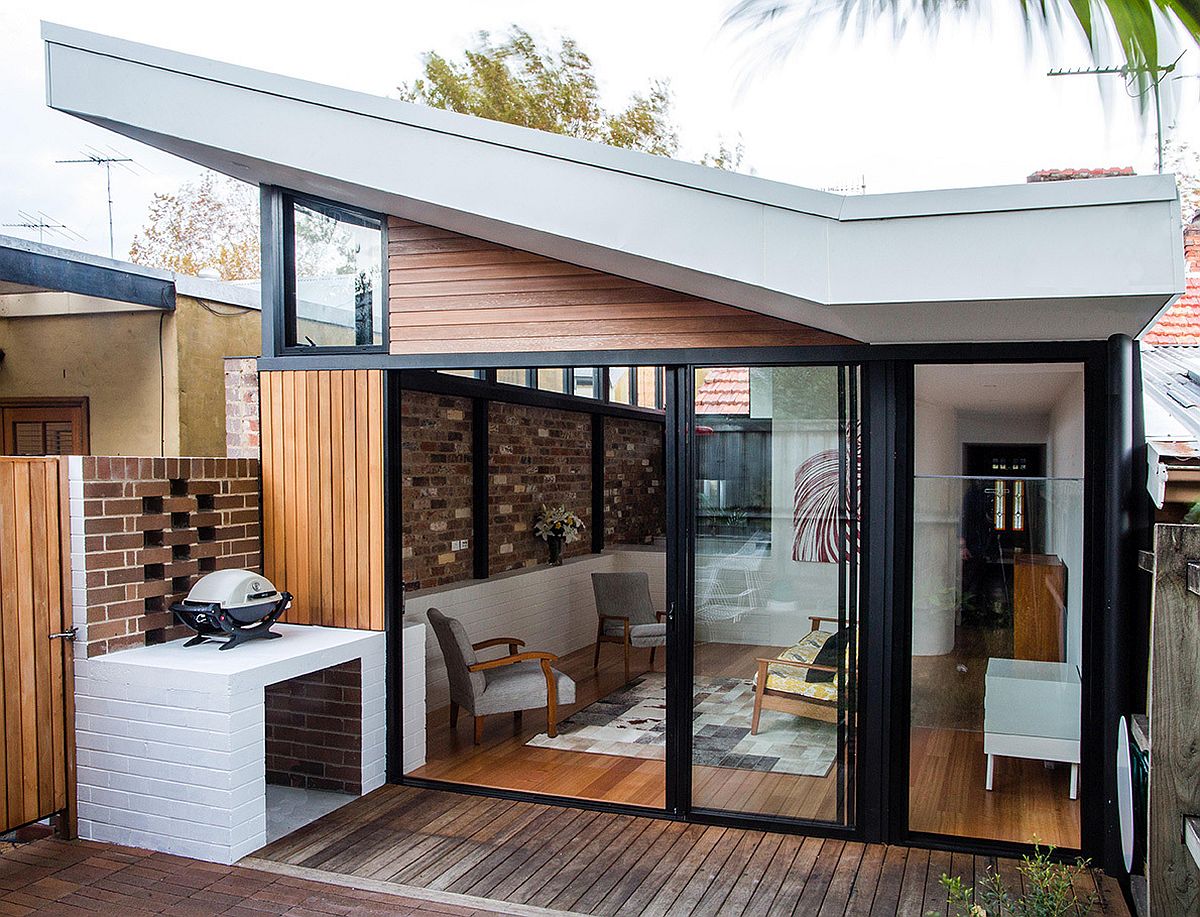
[724,390]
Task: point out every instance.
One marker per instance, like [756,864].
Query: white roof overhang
[1055,261]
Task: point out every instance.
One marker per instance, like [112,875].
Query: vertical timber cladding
[322,469]
[36,694]
[450,293]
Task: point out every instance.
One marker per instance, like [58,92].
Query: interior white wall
[1066,516]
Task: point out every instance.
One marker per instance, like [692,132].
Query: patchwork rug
[632,723]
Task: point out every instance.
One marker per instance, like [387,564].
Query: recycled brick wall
[435,434]
[314,730]
[241,408]
[144,530]
[538,455]
[635,505]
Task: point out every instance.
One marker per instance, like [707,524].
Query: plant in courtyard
[1050,890]
[557,526]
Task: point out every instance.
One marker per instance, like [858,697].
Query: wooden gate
[37,735]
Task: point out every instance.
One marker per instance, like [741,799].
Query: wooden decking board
[681,875]
[627,897]
[837,896]
[601,863]
[653,838]
[886,902]
[755,871]
[515,848]
[602,826]
[514,880]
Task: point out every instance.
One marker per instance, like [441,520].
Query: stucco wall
[111,358]
[114,360]
[205,339]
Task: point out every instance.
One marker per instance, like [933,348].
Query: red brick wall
[635,510]
[241,408]
[314,730]
[150,528]
[538,455]
[435,434]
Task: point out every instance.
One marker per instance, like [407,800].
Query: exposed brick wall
[635,510]
[241,408]
[144,530]
[314,730]
[435,434]
[538,455]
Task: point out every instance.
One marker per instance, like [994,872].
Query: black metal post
[271,294]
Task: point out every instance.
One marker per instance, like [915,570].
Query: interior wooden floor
[583,862]
[946,785]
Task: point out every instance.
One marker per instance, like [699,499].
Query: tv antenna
[1156,73]
[43,223]
[93,156]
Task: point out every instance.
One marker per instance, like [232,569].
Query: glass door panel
[775,593]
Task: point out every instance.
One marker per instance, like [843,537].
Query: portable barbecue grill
[234,605]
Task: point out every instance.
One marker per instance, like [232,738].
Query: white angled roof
[1051,261]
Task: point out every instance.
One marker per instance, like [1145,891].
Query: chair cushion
[639,634]
[465,686]
[625,594]
[794,679]
[520,686]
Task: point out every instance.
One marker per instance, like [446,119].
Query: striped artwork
[816,508]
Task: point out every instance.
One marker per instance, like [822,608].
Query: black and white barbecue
[232,605]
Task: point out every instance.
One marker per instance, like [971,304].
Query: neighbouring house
[107,357]
[855,475]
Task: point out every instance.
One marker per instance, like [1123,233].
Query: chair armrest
[817,620]
[661,615]
[763,663]
[605,617]
[511,642]
[546,659]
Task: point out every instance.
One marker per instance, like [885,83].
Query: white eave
[1054,261]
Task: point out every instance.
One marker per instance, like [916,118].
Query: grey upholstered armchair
[626,614]
[510,684]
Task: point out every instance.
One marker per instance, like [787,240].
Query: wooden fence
[36,689]
[1174,877]
[322,471]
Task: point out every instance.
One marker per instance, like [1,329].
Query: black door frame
[887,384]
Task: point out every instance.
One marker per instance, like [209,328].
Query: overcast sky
[971,106]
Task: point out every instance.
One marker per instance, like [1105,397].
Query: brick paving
[77,878]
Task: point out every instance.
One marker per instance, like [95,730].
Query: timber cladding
[37,768]
[450,293]
[322,467]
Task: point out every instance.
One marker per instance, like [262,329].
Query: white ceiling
[996,388]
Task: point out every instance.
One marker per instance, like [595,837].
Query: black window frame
[287,248]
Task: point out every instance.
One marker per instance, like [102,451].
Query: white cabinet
[1031,710]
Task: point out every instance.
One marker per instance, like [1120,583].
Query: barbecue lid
[233,589]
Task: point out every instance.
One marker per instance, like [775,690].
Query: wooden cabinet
[1039,607]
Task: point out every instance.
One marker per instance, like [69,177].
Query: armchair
[513,683]
[626,614]
[782,683]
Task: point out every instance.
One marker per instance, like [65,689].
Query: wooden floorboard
[584,862]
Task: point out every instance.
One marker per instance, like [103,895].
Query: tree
[211,222]
[1118,32]
[516,81]
[1182,159]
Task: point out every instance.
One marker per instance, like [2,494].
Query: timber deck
[577,861]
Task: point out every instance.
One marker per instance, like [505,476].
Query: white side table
[1031,710]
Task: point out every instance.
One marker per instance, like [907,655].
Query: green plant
[1049,890]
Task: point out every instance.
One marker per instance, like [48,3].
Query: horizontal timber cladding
[449,293]
[322,469]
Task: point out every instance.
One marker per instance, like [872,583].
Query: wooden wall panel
[36,696]
[449,293]
[322,468]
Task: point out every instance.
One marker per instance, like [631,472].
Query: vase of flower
[558,527]
[556,543]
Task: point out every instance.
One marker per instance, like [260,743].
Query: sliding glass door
[775,466]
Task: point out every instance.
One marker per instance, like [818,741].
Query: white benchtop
[300,649]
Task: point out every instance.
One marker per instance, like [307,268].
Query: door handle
[69,635]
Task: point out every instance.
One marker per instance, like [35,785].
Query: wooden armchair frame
[785,701]
[623,638]
[513,657]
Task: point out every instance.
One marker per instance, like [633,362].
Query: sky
[969,106]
